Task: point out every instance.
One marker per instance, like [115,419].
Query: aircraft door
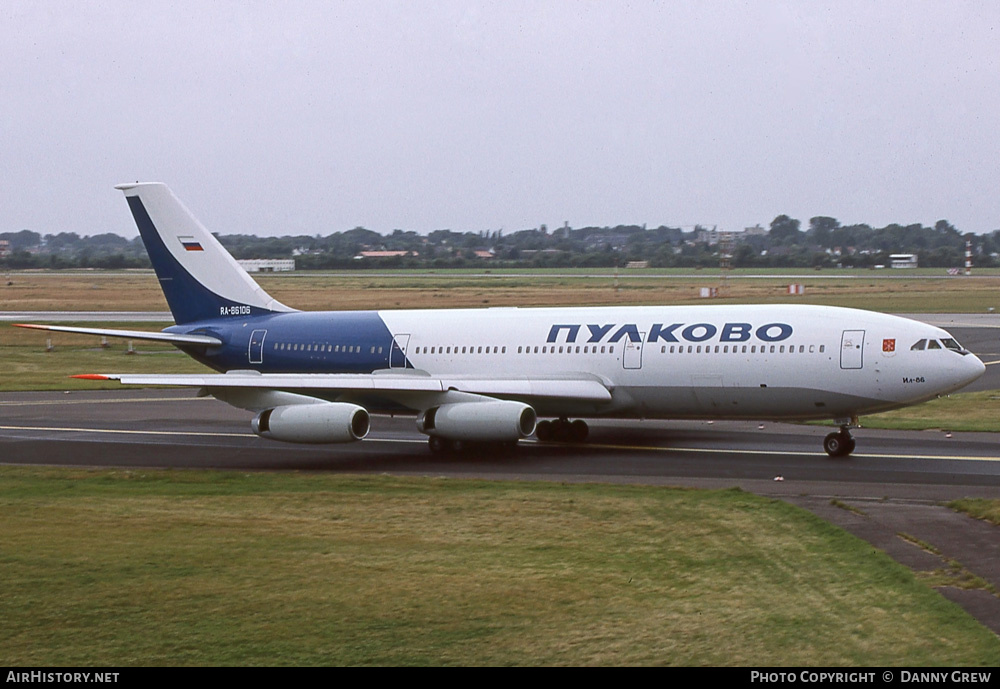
[633,352]
[255,353]
[397,353]
[852,349]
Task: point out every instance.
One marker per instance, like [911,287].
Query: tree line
[823,243]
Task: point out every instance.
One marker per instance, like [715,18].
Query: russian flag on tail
[190,244]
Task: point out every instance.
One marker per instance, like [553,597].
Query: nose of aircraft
[976,367]
[970,369]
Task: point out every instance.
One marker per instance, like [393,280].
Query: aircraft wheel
[562,431]
[839,444]
[438,445]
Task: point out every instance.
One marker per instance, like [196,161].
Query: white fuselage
[785,361]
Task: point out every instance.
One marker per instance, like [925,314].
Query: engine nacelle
[497,421]
[324,422]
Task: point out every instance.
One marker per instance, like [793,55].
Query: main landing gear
[562,431]
[841,443]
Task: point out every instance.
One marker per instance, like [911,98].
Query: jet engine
[497,421]
[325,422]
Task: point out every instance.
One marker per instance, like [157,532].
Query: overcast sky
[314,117]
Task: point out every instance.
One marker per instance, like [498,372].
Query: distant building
[267,265]
[704,236]
[4,248]
[903,260]
[384,254]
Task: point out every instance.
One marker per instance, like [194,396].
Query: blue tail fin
[199,278]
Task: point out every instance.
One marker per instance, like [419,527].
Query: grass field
[25,364]
[874,290]
[979,508]
[196,568]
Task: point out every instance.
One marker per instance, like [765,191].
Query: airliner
[498,375]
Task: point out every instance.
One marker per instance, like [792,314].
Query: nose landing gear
[841,443]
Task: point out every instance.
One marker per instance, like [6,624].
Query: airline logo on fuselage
[673,332]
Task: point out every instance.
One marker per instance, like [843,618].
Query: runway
[171,428]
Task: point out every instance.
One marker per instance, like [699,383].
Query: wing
[413,390]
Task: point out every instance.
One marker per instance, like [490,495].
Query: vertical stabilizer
[199,278]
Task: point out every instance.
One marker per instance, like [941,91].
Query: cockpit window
[947,342]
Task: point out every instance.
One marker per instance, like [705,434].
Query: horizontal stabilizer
[172,338]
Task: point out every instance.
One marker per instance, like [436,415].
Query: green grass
[200,568]
[880,290]
[979,508]
[26,365]
[968,411]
